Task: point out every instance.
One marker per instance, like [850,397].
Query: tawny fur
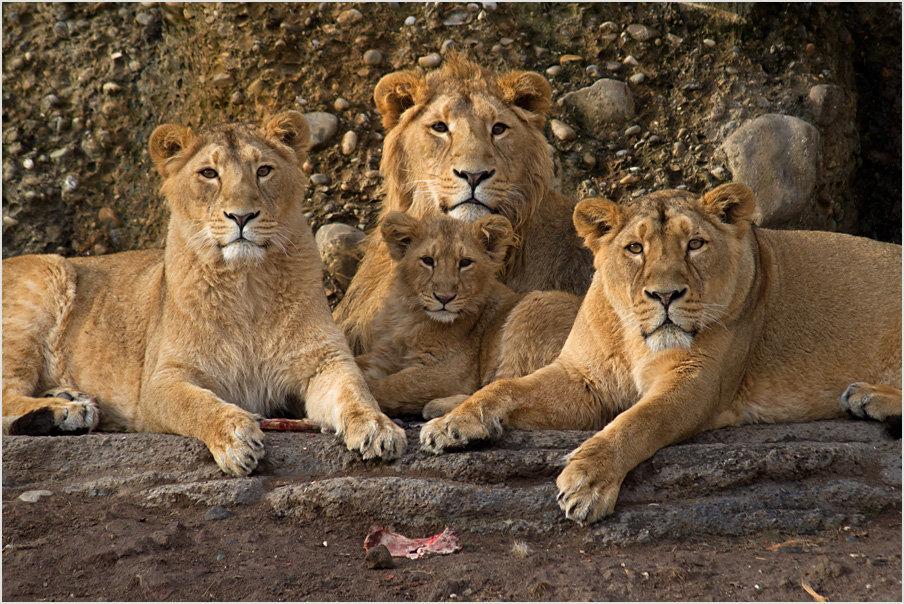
[228,323]
[763,326]
[424,173]
[449,326]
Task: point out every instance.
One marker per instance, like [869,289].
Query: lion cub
[449,325]
[227,323]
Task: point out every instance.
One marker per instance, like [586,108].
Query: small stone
[307,166]
[373,57]
[635,129]
[221,80]
[144,19]
[51,100]
[630,61]
[35,496]
[637,79]
[378,558]
[237,98]
[372,174]
[630,179]
[731,70]
[321,180]
[673,39]
[430,61]
[491,6]
[324,127]
[447,46]
[60,154]
[61,30]
[593,71]
[112,88]
[349,142]
[341,104]
[655,139]
[570,59]
[410,21]
[589,160]
[9,221]
[709,42]
[720,173]
[609,27]
[107,217]
[825,101]
[553,71]
[562,131]
[349,17]
[361,119]
[642,33]
[111,109]
[506,41]
[496,49]
[216,513]
[612,65]
[28,163]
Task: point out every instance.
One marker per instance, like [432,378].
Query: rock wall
[85,84]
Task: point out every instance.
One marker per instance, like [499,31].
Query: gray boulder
[606,102]
[323,127]
[339,250]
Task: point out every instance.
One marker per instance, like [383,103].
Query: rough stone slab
[794,477]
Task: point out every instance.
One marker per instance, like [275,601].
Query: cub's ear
[399,230]
[496,234]
[732,203]
[594,218]
[169,142]
[527,90]
[396,92]
[291,129]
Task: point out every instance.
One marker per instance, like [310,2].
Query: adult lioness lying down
[695,320]
[467,142]
[227,323]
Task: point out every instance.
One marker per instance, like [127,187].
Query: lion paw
[67,412]
[438,407]
[865,401]
[455,431]
[377,436]
[239,443]
[584,494]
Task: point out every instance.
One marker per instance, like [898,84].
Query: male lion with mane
[466,142]
[227,323]
[696,320]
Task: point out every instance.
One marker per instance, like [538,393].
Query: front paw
[457,430]
[586,491]
[67,413]
[375,436]
[863,402]
[438,407]
[238,443]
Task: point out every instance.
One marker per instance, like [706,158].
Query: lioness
[464,141]
[227,323]
[696,320]
[449,326]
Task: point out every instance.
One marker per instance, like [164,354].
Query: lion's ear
[397,92]
[399,230]
[594,218]
[732,203]
[167,142]
[527,90]
[291,129]
[496,234]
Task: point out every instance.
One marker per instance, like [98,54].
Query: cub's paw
[68,412]
[456,430]
[438,407]
[866,401]
[585,493]
[375,436]
[238,443]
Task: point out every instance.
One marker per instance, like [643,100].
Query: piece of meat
[400,545]
[282,424]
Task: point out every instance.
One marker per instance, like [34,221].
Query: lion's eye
[263,171]
[499,128]
[694,244]
[208,173]
[440,127]
[635,248]
[427,261]
[465,262]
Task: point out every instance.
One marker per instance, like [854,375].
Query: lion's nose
[474,178]
[444,299]
[242,219]
[666,298]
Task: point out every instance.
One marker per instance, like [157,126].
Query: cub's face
[235,191]
[465,142]
[669,263]
[446,268]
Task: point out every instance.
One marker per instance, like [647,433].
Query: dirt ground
[67,547]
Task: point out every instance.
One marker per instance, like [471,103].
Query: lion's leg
[338,399]
[38,292]
[552,398]
[408,390]
[172,405]
[874,401]
[441,406]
